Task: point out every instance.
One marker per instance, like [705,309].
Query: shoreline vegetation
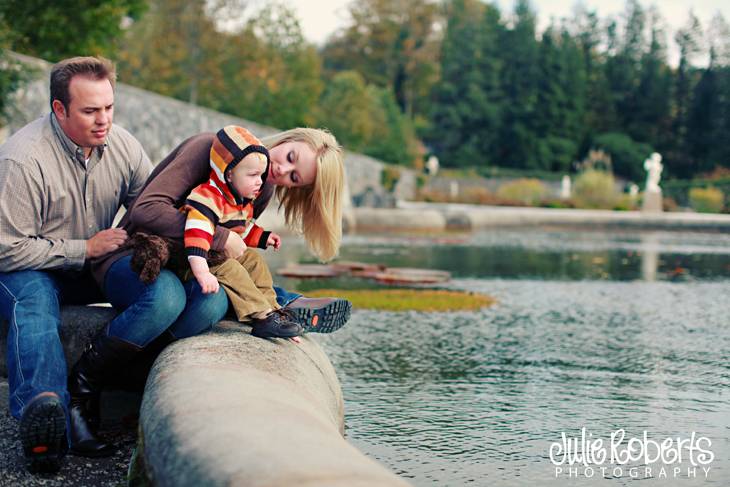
[427,300]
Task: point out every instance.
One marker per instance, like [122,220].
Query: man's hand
[234,246]
[274,240]
[104,242]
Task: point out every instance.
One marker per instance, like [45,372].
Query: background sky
[320,18]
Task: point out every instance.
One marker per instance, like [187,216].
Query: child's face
[245,178]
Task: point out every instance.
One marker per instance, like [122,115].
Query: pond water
[602,331]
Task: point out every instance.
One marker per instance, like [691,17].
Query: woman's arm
[157,209]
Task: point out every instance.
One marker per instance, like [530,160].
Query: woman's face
[292,165]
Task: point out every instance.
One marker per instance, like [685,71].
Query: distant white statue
[565,187]
[432,165]
[653,193]
[653,167]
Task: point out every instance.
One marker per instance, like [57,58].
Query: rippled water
[591,330]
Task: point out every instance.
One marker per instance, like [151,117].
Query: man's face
[90,111]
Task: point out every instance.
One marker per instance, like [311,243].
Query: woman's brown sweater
[157,208]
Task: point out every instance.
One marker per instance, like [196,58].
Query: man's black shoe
[320,315]
[277,324]
[43,433]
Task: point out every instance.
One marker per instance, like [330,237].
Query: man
[62,179]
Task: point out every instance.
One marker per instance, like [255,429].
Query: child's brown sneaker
[277,324]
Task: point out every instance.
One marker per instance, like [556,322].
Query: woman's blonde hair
[315,209]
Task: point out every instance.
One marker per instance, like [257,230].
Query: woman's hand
[274,241]
[234,247]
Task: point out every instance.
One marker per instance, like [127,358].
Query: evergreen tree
[707,123]
[679,159]
[519,54]
[623,68]
[651,120]
[465,109]
[559,101]
[600,112]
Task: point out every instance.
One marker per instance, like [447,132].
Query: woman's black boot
[104,358]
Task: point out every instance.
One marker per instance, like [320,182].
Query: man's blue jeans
[30,302]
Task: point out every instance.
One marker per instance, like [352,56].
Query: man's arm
[21,246]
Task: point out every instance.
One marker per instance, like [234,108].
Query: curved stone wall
[226,408]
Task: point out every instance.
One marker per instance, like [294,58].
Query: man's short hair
[63,72]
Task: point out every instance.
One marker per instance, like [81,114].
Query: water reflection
[561,255]
[649,256]
[602,331]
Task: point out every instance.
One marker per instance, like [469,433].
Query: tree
[519,54]
[651,120]
[558,118]
[600,111]
[393,139]
[624,67]
[688,38]
[391,44]
[347,110]
[627,155]
[286,82]
[173,50]
[264,71]
[466,103]
[57,29]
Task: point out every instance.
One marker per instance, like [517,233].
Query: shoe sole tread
[44,425]
[330,317]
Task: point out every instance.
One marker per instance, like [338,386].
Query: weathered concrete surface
[461,216]
[78,325]
[374,219]
[227,408]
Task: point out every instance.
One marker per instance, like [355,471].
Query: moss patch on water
[408,299]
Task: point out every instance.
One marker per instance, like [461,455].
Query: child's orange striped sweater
[213,203]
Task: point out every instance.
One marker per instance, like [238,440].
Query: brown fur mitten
[151,253]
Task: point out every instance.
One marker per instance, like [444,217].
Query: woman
[306,172]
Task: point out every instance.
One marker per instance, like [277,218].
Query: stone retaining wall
[160,123]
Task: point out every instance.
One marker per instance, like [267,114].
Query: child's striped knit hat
[231,144]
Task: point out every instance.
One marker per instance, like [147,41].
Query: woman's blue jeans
[147,310]
[30,303]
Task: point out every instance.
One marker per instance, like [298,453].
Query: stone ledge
[78,326]
[419,216]
[226,408]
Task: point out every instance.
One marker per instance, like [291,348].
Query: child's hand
[208,283]
[274,241]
